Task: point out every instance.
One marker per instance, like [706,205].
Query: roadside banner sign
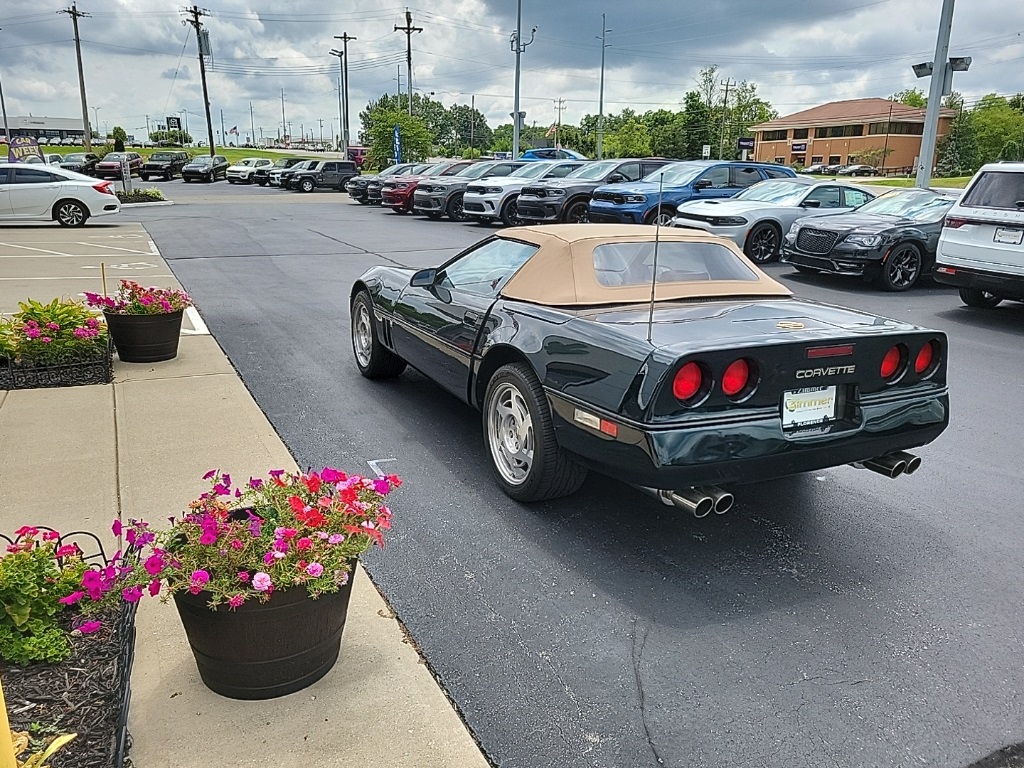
[22,147]
[745,142]
[398,144]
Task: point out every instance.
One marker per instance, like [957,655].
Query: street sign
[173,123]
[801,147]
[744,142]
[705,151]
[398,144]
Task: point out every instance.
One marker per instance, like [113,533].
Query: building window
[775,135]
[780,160]
[834,160]
[800,133]
[816,159]
[838,131]
[902,129]
[798,160]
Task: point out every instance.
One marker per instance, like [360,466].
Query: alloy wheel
[362,336]
[577,214]
[70,214]
[510,434]
[903,267]
[764,244]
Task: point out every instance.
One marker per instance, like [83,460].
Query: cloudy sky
[140,59]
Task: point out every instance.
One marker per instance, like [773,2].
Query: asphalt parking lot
[838,618]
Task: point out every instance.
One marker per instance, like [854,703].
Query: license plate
[811,406]
[1009,236]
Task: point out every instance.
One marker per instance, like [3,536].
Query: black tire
[762,244]
[144,177]
[185,179]
[262,182]
[212,177]
[231,181]
[806,270]
[975,297]
[433,214]
[168,176]
[70,213]
[364,201]
[550,473]
[481,220]
[455,209]
[577,212]
[373,359]
[510,213]
[665,214]
[307,185]
[902,268]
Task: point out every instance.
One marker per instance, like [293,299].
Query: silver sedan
[758,217]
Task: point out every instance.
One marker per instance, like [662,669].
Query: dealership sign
[802,147]
[22,147]
[744,142]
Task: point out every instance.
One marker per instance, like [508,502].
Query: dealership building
[839,132]
[49,127]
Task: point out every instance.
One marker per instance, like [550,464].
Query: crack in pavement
[637,659]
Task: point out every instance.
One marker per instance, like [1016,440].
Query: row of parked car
[887,236]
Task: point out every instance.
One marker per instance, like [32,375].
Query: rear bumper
[729,452]
[530,210]
[1004,286]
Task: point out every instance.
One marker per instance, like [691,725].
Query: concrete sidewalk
[76,458]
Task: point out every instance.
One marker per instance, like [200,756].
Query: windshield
[162,156]
[778,192]
[920,206]
[390,169]
[281,163]
[678,174]
[475,171]
[594,171]
[532,171]
[115,156]
[432,170]
[74,158]
[247,161]
[203,160]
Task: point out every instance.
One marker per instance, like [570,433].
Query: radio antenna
[654,268]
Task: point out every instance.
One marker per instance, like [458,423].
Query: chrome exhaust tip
[723,499]
[693,500]
[913,462]
[891,466]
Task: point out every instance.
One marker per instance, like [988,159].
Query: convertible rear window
[625,263]
[996,189]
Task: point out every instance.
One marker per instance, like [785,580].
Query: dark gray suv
[332,174]
[568,199]
[444,195]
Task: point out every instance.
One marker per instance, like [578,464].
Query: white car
[981,248]
[758,217]
[495,198]
[243,170]
[44,193]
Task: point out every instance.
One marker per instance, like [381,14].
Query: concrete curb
[147,205]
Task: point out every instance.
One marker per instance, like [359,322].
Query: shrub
[141,196]
[103,150]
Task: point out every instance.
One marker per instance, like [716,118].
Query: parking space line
[115,248]
[76,277]
[30,248]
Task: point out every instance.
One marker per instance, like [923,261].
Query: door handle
[472,318]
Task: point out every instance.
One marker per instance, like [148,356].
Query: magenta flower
[208,537]
[82,333]
[336,538]
[132,594]
[261,582]
[236,600]
[314,569]
[146,300]
[67,550]
[71,599]
[200,577]
[243,575]
[268,558]
[236,544]
[154,587]
[32,333]
[154,564]
[93,323]
[255,483]
[382,486]
[46,339]
[210,475]
[304,543]
[116,528]
[89,627]
[332,476]
[53,326]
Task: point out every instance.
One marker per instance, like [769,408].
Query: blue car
[637,202]
[550,153]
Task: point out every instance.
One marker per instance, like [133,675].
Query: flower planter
[145,338]
[265,650]
[72,373]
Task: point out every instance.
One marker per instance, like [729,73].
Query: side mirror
[424,278]
[702,184]
[811,204]
[616,178]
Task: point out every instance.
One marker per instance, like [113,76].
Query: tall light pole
[600,97]
[96,117]
[940,71]
[341,110]
[518,46]
[3,109]
[343,128]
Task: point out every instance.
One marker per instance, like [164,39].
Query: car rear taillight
[737,378]
[954,223]
[893,363]
[688,382]
[927,359]
[103,188]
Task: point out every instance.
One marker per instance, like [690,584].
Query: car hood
[857,222]
[158,162]
[198,165]
[110,162]
[241,168]
[728,207]
[504,182]
[630,188]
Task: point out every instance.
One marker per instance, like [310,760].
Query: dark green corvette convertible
[723,378]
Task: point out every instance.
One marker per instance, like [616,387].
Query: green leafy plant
[36,576]
[141,196]
[49,334]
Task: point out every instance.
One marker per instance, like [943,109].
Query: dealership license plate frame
[1008,236]
[821,414]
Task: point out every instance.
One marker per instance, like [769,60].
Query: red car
[397,191]
[110,166]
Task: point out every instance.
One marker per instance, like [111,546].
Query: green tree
[176,137]
[632,139]
[995,123]
[1013,150]
[466,126]
[120,137]
[697,126]
[1017,103]
[912,97]
[654,119]
[431,112]
[957,151]
[669,139]
[707,86]
[501,140]
[416,139]
[746,108]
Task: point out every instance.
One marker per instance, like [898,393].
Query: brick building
[836,132]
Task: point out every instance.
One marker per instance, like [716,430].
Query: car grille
[602,218]
[609,197]
[473,207]
[476,190]
[534,192]
[816,241]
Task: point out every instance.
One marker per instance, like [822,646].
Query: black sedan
[82,162]
[727,378]
[890,240]
[859,170]
[205,168]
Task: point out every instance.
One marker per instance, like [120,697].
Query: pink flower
[132,594]
[46,339]
[336,538]
[304,543]
[382,486]
[154,564]
[211,474]
[314,569]
[66,551]
[165,305]
[154,587]
[82,333]
[208,537]
[71,599]
[236,600]
[53,326]
[116,528]
[200,577]
[261,582]
[243,575]
[332,476]
[255,483]
[32,333]
[93,323]
[268,558]
[50,535]
[89,627]
[146,300]
[236,544]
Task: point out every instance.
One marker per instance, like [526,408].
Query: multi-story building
[841,131]
[45,127]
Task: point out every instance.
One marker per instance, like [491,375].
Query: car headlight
[868,241]
[492,190]
[403,185]
[730,221]
[635,199]
[794,230]
[556,192]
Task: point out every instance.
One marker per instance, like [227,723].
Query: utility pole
[343,128]
[472,119]
[341,111]
[399,79]
[321,130]
[223,133]
[600,97]
[559,105]
[516,41]
[147,127]
[940,65]
[3,109]
[284,120]
[408,29]
[727,84]
[202,45]
[75,15]
[252,123]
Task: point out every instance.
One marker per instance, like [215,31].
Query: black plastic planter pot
[145,338]
[265,650]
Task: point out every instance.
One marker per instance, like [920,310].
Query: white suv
[495,198]
[981,250]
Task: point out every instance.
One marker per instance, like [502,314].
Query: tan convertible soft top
[562,272]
